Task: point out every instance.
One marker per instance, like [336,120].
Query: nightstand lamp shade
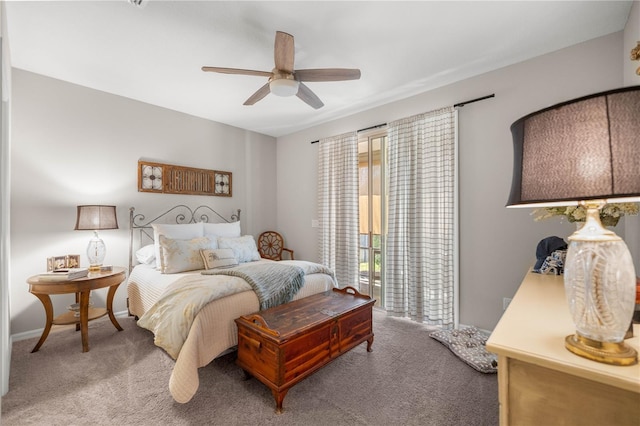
[586,152]
[95,218]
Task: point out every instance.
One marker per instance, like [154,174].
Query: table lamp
[96,218]
[587,152]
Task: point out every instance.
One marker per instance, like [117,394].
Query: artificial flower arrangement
[610,214]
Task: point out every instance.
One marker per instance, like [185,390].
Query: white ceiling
[154,54]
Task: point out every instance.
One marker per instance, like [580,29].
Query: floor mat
[468,344]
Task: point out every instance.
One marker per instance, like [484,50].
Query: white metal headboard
[176,214]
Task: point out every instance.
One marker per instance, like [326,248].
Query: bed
[155,276]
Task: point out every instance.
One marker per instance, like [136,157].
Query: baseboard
[122,314]
[38,332]
[488,332]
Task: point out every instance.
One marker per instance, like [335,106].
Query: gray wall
[631,39]
[72,145]
[5,193]
[630,78]
[497,245]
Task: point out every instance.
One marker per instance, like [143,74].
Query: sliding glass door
[371,169]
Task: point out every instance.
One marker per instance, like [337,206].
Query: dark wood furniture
[82,287]
[283,345]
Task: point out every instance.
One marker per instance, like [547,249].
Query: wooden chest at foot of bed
[283,345]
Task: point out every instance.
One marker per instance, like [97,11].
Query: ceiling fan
[286,81]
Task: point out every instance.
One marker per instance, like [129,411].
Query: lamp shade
[584,149]
[96,218]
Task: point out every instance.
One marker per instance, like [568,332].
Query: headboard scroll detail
[179,214]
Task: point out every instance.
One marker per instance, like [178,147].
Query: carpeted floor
[408,379]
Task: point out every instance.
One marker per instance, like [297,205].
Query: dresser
[542,383]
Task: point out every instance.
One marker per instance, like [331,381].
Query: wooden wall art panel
[171,179]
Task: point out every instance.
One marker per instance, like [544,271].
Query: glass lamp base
[599,279]
[96,251]
[618,353]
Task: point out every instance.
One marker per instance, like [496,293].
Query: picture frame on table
[57,263]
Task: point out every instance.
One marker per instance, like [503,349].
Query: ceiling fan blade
[327,74]
[261,93]
[309,97]
[284,52]
[237,71]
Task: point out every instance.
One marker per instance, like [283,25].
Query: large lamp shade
[585,149]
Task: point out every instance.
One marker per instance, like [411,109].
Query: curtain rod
[362,130]
[461,104]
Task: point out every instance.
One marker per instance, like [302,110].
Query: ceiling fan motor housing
[283,83]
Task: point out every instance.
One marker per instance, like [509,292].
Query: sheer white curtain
[421,276]
[338,206]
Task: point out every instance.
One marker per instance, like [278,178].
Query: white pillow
[180,231]
[220,258]
[222,229]
[244,248]
[146,254]
[182,255]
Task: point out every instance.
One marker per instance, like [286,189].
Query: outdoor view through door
[371,161]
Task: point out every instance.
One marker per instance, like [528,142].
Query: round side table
[82,287]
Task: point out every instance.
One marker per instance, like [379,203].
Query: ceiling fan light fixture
[284,87]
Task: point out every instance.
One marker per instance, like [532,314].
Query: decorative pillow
[231,230]
[468,344]
[244,248]
[182,255]
[146,254]
[181,231]
[219,258]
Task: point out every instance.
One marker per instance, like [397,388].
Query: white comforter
[171,317]
[213,329]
